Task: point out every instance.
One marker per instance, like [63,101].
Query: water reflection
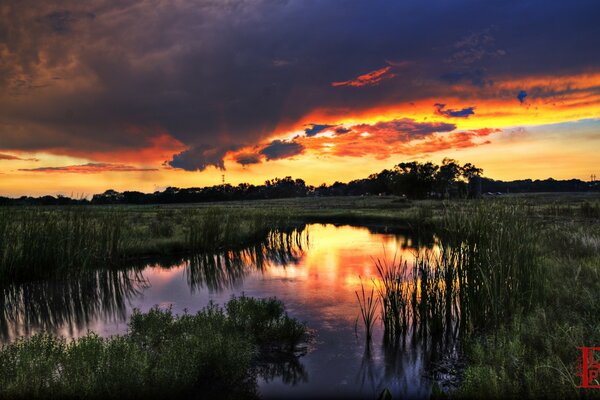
[316,279]
[67,305]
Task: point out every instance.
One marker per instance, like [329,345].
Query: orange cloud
[369,79]
[153,150]
[89,168]
[403,136]
[10,157]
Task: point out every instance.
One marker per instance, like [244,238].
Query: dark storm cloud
[450,113]
[218,75]
[199,158]
[315,129]
[247,159]
[278,149]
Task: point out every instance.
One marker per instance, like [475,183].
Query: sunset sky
[141,95]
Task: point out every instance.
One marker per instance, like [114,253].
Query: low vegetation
[212,354]
[517,278]
[521,292]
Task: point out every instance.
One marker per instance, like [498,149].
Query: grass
[368,309]
[519,275]
[209,354]
[536,353]
[519,288]
[38,243]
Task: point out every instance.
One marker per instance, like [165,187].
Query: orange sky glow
[85,107]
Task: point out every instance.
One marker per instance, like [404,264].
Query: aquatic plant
[368,309]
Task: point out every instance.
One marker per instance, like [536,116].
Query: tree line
[413,180]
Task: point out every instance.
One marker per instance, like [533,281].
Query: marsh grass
[368,309]
[209,354]
[36,242]
[39,243]
[485,268]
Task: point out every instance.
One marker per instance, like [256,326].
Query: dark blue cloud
[450,113]
[278,149]
[521,96]
[199,158]
[340,130]
[248,159]
[316,128]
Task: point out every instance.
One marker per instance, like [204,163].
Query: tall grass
[38,243]
[485,269]
[368,309]
[34,242]
[498,263]
[394,295]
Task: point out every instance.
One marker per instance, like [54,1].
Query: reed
[37,242]
[485,268]
[368,309]
[394,294]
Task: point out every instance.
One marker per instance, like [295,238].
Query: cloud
[199,158]
[403,129]
[340,130]
[247,158]
[76,77]
[521,96]
[279,149]
[316,128]
[450,113]
[369,79]
[404,136]
[15,158]
[89,168]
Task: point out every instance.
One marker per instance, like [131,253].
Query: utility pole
[223,179]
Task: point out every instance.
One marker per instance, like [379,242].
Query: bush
[209,354]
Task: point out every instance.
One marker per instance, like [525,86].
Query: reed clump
[485,268]
[35,242]
[368,309]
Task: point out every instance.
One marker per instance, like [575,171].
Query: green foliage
[209,354]
[535,354]
[37,241]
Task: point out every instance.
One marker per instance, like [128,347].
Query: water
[315,273]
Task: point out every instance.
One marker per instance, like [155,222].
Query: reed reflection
[67,304]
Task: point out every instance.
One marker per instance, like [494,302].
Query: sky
[142,95]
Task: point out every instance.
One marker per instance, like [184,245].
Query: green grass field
[530,275]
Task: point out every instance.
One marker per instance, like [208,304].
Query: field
[519,274]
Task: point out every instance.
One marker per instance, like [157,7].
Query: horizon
[143,96]
[88,196]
